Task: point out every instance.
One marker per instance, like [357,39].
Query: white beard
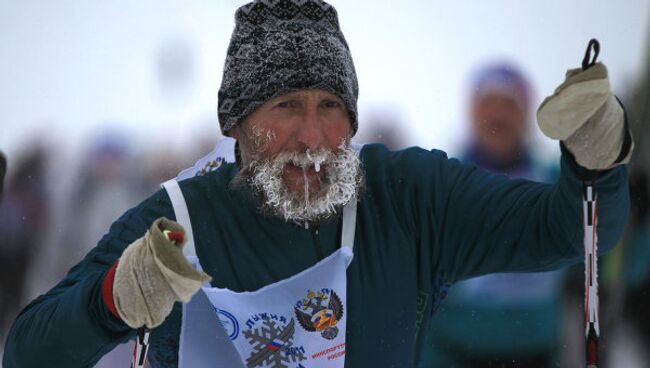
[341,183]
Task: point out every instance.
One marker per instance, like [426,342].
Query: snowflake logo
[273,345]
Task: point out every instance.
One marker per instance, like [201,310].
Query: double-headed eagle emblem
[322,318]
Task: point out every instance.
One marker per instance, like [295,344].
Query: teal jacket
[497,308]
[423,222]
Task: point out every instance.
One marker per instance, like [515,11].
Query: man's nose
[311,130]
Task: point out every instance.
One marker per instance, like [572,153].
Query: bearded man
[318,252]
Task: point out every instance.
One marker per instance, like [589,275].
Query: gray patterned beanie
[282,46]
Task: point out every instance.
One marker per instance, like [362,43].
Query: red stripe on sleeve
[107,289]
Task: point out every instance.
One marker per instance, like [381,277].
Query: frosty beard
[341,182]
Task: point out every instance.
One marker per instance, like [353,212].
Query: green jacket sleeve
[70,326]
[487,223]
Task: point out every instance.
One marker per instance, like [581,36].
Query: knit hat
[282,46]
[503,78]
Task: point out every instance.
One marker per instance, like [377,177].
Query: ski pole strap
[588,61]
[140,348]
[592,324]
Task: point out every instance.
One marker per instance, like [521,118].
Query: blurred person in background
[284,220]
[626,278]
[165,159]
[626,271]
[634,275]
[500,320]
[24,219]
[163,162]
[635,270]
[108,181]
[383,125]
[3,171]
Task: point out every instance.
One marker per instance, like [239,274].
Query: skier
[3,171]
[318,252]
[498,307]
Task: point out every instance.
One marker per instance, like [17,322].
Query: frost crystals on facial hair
[340,183]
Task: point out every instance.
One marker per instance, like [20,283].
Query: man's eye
[331,104]
[288,104]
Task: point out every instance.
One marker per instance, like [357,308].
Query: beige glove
[586,116]
[151,275]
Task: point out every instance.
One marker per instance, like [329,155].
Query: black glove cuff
[627,141]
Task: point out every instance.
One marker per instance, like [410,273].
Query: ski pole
[590,220]
[592,325]
[142,339]
[140,348]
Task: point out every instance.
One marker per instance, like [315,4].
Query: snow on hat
[282,46]
[503,78]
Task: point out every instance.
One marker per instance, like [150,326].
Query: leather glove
[587,117]
[152,274]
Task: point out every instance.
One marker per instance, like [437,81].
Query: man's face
[499,125]
[295,152]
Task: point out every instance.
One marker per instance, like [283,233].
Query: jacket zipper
[317,246]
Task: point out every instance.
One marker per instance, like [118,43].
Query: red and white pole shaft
[592,325]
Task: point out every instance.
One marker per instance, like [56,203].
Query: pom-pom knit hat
[282,46]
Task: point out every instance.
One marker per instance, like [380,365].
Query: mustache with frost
[341,182]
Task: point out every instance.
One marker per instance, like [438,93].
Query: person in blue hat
[514,319]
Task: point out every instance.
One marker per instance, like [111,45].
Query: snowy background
[154,67]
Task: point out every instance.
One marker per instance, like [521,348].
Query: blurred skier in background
[515,319]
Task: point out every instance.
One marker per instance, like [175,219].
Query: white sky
[68,66]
